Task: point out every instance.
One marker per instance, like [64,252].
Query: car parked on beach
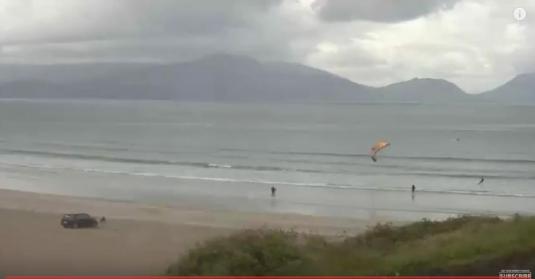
[78,220]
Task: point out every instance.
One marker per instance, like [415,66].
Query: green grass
[463,245]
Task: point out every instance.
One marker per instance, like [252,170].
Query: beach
[168,175]
[228,156]
[137,239]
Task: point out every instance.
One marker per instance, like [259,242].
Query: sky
[476,44]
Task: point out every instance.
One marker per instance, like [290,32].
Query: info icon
[519,14]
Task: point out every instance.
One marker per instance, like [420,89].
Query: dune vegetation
[466,245]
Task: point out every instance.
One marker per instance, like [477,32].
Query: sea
[228,156]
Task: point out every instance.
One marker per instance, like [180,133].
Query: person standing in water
[273,191]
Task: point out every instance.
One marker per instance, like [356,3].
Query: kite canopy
[378,146]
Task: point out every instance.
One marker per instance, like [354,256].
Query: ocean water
[227,156]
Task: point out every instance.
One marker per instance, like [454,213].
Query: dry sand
[137,239]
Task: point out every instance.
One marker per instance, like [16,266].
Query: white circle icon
[519,13]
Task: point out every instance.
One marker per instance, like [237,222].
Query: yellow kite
[378,146]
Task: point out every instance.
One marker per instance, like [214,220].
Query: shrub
[251,252]
[464,245]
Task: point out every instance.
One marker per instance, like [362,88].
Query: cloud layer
[477,44]
[379,10]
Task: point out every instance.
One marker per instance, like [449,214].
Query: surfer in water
[273,191]
[481,181]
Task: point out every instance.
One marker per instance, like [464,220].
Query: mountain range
[230,78]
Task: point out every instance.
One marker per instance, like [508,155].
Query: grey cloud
[155,30]
[378,10]
[164,49]
[193,16]
[102,19]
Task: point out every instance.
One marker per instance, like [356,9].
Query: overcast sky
[476,44]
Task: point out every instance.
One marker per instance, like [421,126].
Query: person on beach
[103,219]
[273,191]
[413,188]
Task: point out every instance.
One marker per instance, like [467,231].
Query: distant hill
[231,78]
[521,89]
[64,73]
[213,78]
[422,90]
[33,89]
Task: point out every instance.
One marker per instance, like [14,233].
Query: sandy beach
[137,239]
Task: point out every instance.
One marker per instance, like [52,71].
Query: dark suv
[78,220]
